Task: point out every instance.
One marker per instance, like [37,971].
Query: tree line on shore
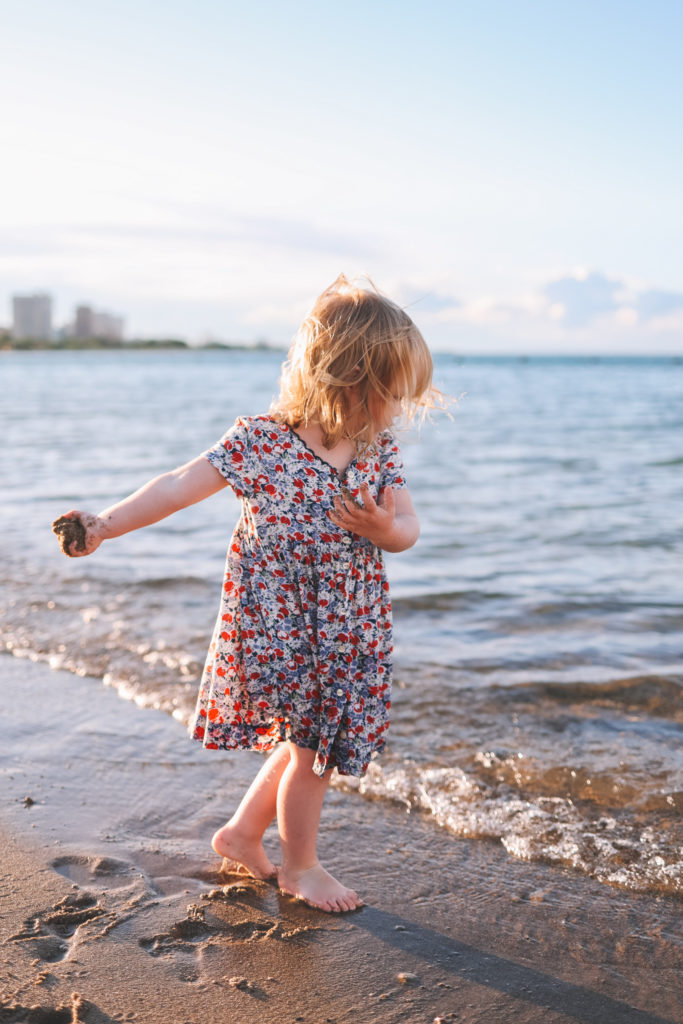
[69,344]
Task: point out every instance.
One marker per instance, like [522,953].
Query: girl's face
[383,412]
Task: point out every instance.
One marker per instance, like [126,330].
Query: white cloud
[671,324]
[654,304]
[424,299]
[583,296]
[579,311]
[626,316]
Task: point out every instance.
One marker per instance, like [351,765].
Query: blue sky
[510,171]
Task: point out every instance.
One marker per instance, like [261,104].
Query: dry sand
[112,908]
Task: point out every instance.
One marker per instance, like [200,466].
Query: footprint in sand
[96,872]
[17,1014]
[80,1011]
[189,940]
[185,935]
[49,934]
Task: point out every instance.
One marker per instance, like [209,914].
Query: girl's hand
[373,520]
[390,524]
[79,533]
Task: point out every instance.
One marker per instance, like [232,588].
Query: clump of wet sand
[70,532]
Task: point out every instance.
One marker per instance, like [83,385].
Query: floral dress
[302,644]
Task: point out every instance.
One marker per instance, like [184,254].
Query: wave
[668,462]
[172,582]
[445,600]
[659,695]
[548,829]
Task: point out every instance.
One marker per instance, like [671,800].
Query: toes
[348,901]
[343,903]
[314,890]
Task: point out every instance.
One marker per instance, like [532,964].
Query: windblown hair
[355,349]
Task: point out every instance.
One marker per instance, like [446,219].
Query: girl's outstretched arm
[391,523]
[158,499]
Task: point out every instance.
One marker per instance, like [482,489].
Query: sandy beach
[113,907]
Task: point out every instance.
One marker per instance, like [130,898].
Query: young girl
[300,660]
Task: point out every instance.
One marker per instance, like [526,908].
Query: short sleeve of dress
[391,463]
[234,458]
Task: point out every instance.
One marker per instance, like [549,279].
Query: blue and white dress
[302,645]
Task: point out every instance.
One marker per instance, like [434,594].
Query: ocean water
[538,621]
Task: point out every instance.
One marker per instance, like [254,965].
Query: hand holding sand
[77,533]
[371,519]
[390,523]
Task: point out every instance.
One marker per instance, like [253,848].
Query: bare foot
[247,854]
[319,889]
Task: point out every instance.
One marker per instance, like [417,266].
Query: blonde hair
[355,347]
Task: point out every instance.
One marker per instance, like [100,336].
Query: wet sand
[112,906]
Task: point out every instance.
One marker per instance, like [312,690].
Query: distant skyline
[509,172]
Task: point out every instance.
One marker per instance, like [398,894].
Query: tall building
[88,323]
[84,323]
[108,326]
[32,316]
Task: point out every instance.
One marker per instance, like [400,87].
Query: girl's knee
[301,756]
[304,759]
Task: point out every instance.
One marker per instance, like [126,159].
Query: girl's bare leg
[240,839]
[299,803]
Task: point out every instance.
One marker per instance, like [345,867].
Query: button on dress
[302,645]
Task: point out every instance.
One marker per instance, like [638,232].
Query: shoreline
[110,890]
[461,357]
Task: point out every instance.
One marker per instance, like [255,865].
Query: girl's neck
[340,456]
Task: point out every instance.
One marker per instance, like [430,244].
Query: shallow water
[538,622]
